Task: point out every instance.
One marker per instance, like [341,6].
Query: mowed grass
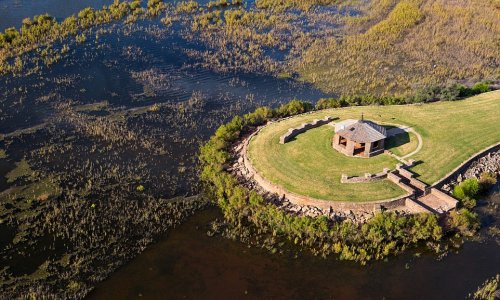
[402,144]
[308,165]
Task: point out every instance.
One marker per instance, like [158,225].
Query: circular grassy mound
[309,166]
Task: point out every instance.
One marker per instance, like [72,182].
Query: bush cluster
[467,188]
[422,95]
[486,181]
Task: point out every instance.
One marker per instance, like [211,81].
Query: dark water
[12,12]
[187,263]
[190,265]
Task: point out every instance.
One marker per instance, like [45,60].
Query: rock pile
[487,163]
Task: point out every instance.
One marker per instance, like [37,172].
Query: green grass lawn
[402,144]
[308,165]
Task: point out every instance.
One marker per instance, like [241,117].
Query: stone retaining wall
[367,178]
[415,206]
[450,201]
[398,180]
[293,132]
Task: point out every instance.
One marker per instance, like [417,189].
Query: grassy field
[402,144]
[451,132]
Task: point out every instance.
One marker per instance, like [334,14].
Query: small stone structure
[422,196]
[293,132]
[366,178]
[359,138]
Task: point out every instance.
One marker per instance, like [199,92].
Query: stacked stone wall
[293,132]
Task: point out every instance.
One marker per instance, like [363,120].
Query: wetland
[101,125]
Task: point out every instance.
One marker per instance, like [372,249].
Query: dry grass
[383,51]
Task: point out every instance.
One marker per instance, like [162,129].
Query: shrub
[488,290]
[468,202]
[11,34]
[294,107]
[155,7]
[465,221]
[324,103]
[466,188]
[451,92]
[187,6]
[480,87]
[259,116]
[486,181]
[425,94]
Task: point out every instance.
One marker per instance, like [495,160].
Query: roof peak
[360,130]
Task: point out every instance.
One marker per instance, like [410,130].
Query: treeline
[249,217]
[44,29]
[431,93]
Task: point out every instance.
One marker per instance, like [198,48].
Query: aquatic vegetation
[187,6]
[44,30]
[155,7]
[488,290]
[237,39]
[287,4]
[22,169]
[380,44]
[78,191]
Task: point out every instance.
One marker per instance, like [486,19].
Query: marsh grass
[385,47]
[21,170]
[77,180]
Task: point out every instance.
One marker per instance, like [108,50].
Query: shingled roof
[360,131]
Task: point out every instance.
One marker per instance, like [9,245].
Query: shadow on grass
[397,140]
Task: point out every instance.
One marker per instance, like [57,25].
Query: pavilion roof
[360,131]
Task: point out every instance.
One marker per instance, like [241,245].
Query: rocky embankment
[488,162]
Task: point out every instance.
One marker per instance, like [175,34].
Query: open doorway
[343,142]
[359,149]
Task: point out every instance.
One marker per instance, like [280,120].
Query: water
[190,265]
[12,12]
[187,263]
